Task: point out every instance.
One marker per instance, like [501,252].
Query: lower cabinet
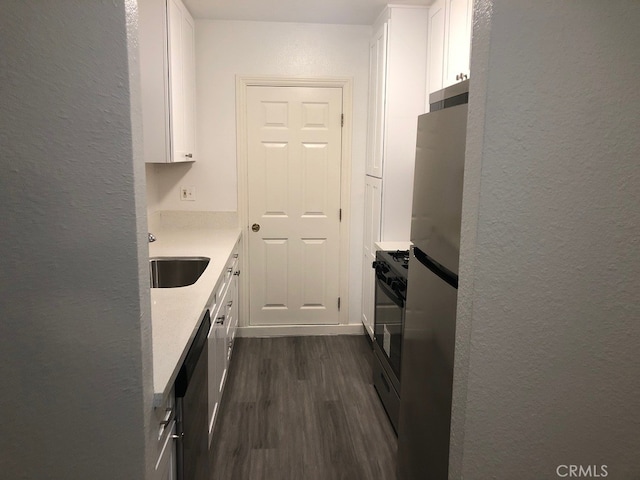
[372,213]
[224,322]
[166,463]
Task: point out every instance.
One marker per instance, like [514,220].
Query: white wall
[75,329]
[225,49]
[547,369]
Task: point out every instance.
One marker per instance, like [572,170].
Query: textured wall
[225,49]
[547,370]
[74,339]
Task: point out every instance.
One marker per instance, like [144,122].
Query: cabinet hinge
[340,215]
[342,120]
[338,303]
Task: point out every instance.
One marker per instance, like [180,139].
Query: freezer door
[437,187]
[427,375]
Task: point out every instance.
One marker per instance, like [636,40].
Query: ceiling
[351,12]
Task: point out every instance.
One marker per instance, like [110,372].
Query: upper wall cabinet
[168,82]
[398,65]
[377,79]
[449,44]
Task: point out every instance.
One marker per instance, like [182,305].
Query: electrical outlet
[188,194]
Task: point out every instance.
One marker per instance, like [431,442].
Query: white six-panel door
[294,162]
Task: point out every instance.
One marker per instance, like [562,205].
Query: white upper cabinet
[397,96]
[435,46]
[459,13]
[168,82]
[449,44]
[377,78]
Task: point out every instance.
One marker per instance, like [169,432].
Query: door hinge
[342,120]
[338,303]
[340,215]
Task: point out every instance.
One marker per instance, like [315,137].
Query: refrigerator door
[427,375]
[437,185]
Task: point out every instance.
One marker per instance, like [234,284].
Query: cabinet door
[435,47]
[459,13]
[181,81]
[221,351]
[377,90]
[166,464]
[233,293]
[372,220]
[213,379]
[154,80]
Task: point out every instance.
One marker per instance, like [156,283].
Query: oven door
[388,324]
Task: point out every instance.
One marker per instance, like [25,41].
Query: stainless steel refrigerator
[430,322]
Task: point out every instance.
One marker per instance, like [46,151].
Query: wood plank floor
[302,408]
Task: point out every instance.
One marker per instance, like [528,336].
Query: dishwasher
[191,392]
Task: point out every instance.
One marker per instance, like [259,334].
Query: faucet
[152,237]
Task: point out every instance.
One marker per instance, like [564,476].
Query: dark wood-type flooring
[302,408]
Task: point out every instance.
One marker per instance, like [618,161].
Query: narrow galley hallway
[302,408]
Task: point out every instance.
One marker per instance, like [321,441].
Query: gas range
[397,261]
[390,295]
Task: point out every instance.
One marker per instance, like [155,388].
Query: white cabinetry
[449,45]
[435,46]
[373,200]
[397,88]
[166,463]
[402,75]
[377,79]
[167,76]
[224,321]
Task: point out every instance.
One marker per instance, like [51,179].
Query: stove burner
[400,256]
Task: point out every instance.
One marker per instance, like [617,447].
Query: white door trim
[346,84]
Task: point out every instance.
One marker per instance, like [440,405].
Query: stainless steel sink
[171,272]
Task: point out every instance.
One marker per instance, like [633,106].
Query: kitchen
[527,219]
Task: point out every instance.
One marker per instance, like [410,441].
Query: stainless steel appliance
[390,295]
[191,392]
[430,320]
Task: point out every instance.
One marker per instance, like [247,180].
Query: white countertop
[393,246]
[176,312]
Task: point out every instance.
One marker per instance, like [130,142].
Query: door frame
[243,82]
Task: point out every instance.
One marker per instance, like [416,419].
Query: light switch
[188,194]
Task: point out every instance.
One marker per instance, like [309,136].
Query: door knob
[255,227]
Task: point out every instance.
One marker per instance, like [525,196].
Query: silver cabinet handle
[229,303]
[167,417]
[235,255]
[237,273]
[189,155]
[220,320]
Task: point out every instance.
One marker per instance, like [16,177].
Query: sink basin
[171,272]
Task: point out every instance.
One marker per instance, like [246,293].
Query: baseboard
[299,330]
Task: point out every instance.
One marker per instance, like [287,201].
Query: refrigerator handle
[440,270]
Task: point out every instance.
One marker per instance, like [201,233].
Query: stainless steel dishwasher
[191,391]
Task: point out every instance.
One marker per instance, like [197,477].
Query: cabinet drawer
[164,416]
[165,466]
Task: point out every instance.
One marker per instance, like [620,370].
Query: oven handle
[389,293]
